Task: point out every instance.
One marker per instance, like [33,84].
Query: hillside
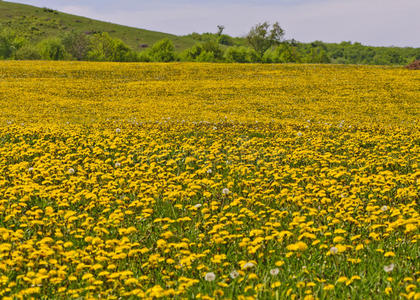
[37,23]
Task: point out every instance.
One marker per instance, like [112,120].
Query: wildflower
[71,171]
[389,254]
[198,205]
[210,276]
[299,134]
[234,274]
[274,272]
[225,191]
[299,246]
[209,171]
[389,268]
[384,208]
[117,165]
[31,169]
[117,130]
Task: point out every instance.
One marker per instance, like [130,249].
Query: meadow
[209,181]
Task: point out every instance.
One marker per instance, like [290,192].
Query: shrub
[52,49]
[10,42]
[237,54]
[163,51]
[27,52]
[76,44]
[105,48]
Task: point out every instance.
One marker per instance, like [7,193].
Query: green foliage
[226,40]
[105,48]
[262,36]
[27,52]
[10,42]
[163,51]
[209,51]
[76,44]
[241,55]
[52,49]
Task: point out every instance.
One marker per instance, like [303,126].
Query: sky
[371,22]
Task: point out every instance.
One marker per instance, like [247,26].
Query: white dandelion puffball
[384,208]
[117,130]
[334,250]
[198,205]
[389,268]
[71,171]
[234,274]
[31,169]
[210,276]
[225,191]
[209,171]
[248,265]
[274,272]
[117,165]
[299,134]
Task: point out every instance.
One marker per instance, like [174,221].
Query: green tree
[163,51]
[76,44]
[52,49]
[10,42]
[263,36]
[105,48]
[27,52]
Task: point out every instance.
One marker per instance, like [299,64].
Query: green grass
[37,23]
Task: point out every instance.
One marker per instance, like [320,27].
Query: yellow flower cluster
[208,181]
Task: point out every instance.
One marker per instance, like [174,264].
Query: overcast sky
[371,22]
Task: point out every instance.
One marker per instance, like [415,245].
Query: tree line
[264,43]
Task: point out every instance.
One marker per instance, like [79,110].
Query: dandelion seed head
[274,272]
[234,274]
[389,268]
[210,276]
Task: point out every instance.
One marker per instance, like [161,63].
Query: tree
[105,48]
[263,36]
[220,29]
[10,42]
[76,44]
[52,49]
[163,51]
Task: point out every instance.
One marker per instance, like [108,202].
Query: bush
[52,49]
[27,52]
[163,51]
[206,57]
[10,42]
[105,48]
[76,44]
[237,54]
[209,51]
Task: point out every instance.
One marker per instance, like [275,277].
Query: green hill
[37,23]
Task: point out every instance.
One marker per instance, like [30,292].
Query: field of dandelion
[209,181]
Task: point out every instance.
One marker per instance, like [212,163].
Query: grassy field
[37,23]
[209,181]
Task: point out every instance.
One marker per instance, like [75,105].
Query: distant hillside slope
[37,23]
